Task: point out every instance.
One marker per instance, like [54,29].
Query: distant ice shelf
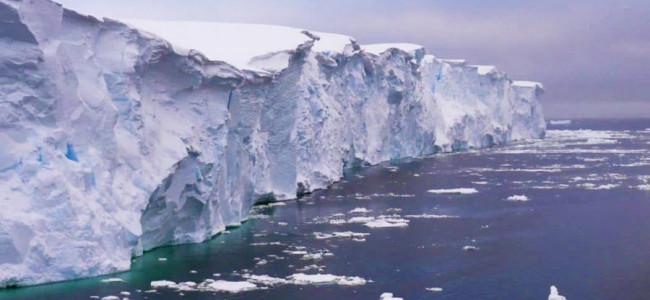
[119,137]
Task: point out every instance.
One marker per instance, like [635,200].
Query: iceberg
[117,137]
[554,295]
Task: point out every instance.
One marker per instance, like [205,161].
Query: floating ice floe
[111,280]
[111,297]
[267,244]
[360,219]
[304,279]
[554,295]
[559,122]
[393,195]
[265,279]
[296,252]
[389,296]
[517,198]
[310,268]
[470,248]
[360,210]
[387,223]
[454,191]
[434,289]
[337,222]
[591,186]
[428,216]
[595,159]
[345,234]
[312,256]
[634,164]
[156,284]
[644,187]
[230,286]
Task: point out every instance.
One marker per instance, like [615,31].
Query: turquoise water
[585,229]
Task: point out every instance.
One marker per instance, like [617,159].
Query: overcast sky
[593,56]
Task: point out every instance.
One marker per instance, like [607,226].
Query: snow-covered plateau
[119,137]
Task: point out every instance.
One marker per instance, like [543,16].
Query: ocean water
[584,228]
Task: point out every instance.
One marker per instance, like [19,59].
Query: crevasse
[114,141]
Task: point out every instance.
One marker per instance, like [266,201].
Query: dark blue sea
[584,227]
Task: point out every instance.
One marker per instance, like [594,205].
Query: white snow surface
[115,140]
[241,45]
[378,49]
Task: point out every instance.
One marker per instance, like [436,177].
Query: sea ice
[429,216]
[360,210]
[163,284]
[265,280]
[109,280]
[470,248]
[517,198]
[389,296]
[454,191]
[387,223]
[554,295]
[301,278]
[231,286]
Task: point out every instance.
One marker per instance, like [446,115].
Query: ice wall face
[114,141]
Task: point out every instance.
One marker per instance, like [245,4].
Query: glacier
[117,137]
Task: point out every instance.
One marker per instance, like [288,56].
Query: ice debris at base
[346,234]
[110,280]
[230,286]
[554,295]
[116,140]
[254,282]
[517,198]
[454,191]
[389,296]
[163,284]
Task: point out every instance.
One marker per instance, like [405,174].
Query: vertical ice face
[114,142]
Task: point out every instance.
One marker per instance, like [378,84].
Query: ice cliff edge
[116,140]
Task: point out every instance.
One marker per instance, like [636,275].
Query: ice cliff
[115,140]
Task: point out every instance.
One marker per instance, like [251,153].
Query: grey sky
[592,56]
